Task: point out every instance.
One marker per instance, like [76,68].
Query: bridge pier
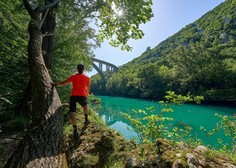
[100,66]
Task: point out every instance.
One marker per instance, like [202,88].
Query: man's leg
[73,122]
[73,115]
[73,118]
[85,108]
[84,104]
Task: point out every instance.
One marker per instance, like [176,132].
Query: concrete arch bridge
[99,64]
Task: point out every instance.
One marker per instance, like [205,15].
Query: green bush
[1,149]
[17,124]
[5,116]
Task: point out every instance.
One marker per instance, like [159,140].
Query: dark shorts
[77,99]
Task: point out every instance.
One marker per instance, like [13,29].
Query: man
[79,93]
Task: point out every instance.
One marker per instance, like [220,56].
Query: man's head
[80,68]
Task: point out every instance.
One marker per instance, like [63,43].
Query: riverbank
[220,103]
[100,146]
[218,97]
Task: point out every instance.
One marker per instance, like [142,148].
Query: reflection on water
[183,115]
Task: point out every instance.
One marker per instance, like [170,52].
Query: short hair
[80,68]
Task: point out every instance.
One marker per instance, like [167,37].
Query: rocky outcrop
[100,147]
[167,154]
[97,147]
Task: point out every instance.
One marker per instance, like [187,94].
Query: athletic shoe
[86,122]
[75,134]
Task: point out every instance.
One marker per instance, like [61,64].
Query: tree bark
[42,145]
[47,30]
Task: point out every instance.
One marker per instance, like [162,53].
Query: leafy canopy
[120,20]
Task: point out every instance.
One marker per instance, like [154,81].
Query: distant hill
[215,28]
[199,59]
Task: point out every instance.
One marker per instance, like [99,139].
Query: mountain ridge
[193,24]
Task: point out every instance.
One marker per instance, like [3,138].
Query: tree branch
[43,18]
[30,9]
[47,6]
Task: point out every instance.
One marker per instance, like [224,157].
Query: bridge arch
[110,68]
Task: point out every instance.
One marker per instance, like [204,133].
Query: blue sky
[170,16]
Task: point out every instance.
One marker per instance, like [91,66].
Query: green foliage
[74,41]
[199,68]
[94,100]
[13,61]
[1,149]
[226,94]
[228,125]
[180,134]
[6,115]
[211,154]
[120,21]
[151,124]
[16,124]
[174,98]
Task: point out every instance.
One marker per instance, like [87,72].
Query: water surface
[187,114]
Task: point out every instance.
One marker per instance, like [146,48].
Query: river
[187,114]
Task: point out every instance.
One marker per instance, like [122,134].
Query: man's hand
[53,84]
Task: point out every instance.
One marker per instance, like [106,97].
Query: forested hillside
[199,59]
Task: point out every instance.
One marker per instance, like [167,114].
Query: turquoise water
[192,115]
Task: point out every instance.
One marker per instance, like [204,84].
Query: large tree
[42,145]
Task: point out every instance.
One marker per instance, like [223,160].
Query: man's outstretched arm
[62,82]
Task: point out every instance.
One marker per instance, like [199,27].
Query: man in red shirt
[79,93]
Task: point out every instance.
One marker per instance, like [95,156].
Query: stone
[178,155]
[181,145]
[177,164]
[201,149]
[192,161]
[228,165]
[131,162]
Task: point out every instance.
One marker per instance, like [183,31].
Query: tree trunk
[47,30]
[43,143]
